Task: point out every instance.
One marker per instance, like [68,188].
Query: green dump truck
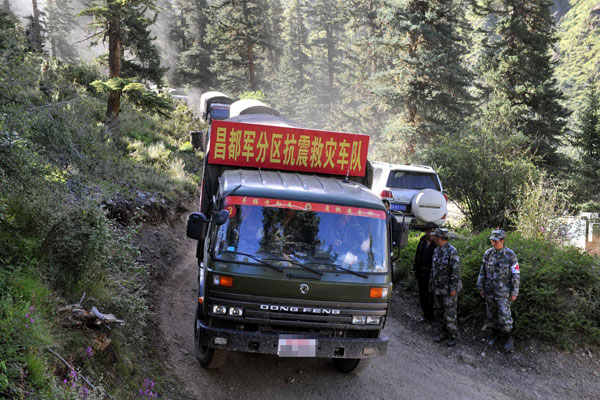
[293,247]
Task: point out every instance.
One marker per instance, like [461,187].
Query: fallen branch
[79,374]
[74,315]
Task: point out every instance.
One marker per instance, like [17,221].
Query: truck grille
[276,314]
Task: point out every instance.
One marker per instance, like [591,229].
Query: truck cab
[214,106]
[291,263]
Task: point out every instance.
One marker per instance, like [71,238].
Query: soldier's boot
[495,336]
[441,337]
[509,344]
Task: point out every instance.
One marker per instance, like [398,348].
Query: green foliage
[539,209]
[256,95]
[426,80]
[483,171]
[136,94]
[61,21]
[517,70]
[25,314]
[77,248]
[586,138]
[186,147]
[60,169]
[578,51]
[146,99]
[238,32]
[188,24]
[558,295]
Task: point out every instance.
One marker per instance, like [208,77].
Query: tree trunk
[53,51]
[36,29]
[251,67]
[330,54]
[114,60]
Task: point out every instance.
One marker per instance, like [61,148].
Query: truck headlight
[219,310]
[358,319]
[373,320]
[235,311]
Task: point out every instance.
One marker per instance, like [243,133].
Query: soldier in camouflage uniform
[445,283]
[498,283]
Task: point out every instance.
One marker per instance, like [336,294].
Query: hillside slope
[579,50]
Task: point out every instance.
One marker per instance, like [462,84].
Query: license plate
[398,207]
[296,347]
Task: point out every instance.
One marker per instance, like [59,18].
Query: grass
[59,168]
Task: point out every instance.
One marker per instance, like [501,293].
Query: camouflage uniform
[499,279]
[445,278]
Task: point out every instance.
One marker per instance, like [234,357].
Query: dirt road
[414,367]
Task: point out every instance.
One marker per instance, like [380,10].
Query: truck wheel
[208,357]
[351,365]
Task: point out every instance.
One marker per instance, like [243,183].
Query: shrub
[186,147]
[559,291]
[539,210]
[483,170]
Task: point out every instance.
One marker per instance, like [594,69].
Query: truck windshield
[219,112]
[318,238]
[412,180]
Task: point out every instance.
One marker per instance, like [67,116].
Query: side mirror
[196,226]
[220,217]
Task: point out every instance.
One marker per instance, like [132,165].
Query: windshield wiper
[275,267]
[342,268]
[314,271]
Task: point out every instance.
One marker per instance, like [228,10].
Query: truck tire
[351,365]
[208,357]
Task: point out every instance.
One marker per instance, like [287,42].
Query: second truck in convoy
[293,247]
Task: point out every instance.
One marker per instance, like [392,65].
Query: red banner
[301,205]
[285,148]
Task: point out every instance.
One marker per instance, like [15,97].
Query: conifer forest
[501,97]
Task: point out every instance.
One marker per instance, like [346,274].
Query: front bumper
[266,343]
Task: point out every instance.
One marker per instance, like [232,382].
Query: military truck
[214,105]
[293,248]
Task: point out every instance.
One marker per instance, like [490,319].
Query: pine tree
[61,20]
[36,28]
[274,48]
[327,29]
[360,109]
[296,47]
[239,33]
[143,57]
[587,139]
[518,71]
[189,34]
[290,90]
[427,81]
[6,7]
[126,25]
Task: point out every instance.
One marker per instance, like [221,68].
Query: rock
[184,351]
[467,359]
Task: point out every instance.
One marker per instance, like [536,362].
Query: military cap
[430,225]
[497,234]
[441,233]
